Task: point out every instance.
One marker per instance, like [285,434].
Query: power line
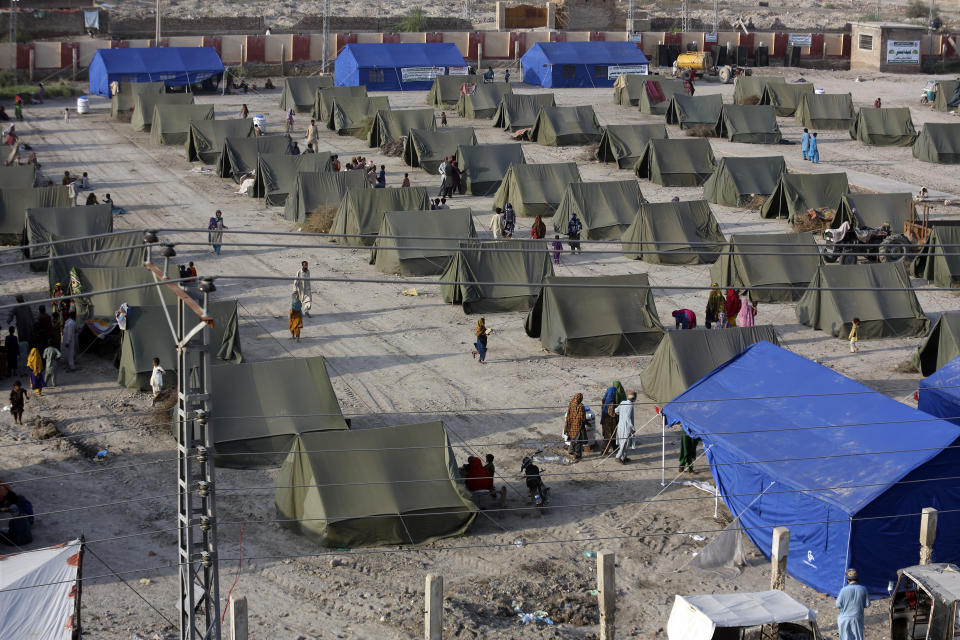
[127,584]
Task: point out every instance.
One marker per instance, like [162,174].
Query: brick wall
[35,25]
[125,29]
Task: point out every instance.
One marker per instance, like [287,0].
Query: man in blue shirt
[851,601]
[805,143]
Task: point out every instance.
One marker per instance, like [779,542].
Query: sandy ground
[398,359]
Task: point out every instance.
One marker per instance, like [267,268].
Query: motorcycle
[846,244]
[539,492]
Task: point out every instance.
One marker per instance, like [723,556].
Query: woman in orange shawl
[575,426]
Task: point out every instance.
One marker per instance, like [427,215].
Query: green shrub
[414,22]
[919,9]
[52,90]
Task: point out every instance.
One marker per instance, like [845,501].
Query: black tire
[685,74]
[894,248]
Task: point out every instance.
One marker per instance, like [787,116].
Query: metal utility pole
[466,11]
[326,33]
[716,16]
[197,556]
[14,5]
[157,35]
[683,23]
[878,11]
[630,22]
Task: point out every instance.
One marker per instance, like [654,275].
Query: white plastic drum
[261,122]
[83,105]
[819,90]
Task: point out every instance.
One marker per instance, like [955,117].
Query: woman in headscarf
[509,220]
[539,230]
[574,427]
[715,305]
[296,316]
[731,307]
[480,346]
[747,311]
[608,419]
[35,365]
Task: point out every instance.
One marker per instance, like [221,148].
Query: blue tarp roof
[380,67]
[176,66]
[939,393]
[765,406]
[590,52]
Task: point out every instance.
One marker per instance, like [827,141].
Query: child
[443,118]
[491,469]
[854,338]
[296,317]
[66,115]
[557,247]
[156,380]
[84,183]
[406,180]
[17,397]
[814,151]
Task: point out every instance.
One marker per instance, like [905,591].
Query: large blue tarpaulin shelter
[939,393]
[848,470]
[396,66]
[175,66]
[581,64]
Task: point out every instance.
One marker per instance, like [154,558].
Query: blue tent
[399,66]
[939,393]
[581,64]
[175,66]
[767,405]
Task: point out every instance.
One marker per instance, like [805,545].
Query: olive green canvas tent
[797,193]
[735,181]
[105,305]
[277,174]
[819,111]
[325,189]
[612,316]
[938,142]
[939,258]
[18,176]
[355,116]
[627,89]
[784,98]
[123,250]
[683,357]
[15,201]
[125,99]
[373,487]
[258,409]
[753,124]
[474,276]
[564,126]
[446,90]
[763,262]
[535,189]
[518,111]
[483,101]
[887,127]
[694,111]
[889,309]
[676,162]
[749,89]
[945,92]
[940,346]
[324,99]
[361,211]
[144,104]
[49,224]
[874,210]
[656,95]
[623,143]
[410,249]
[300,93]
[206,137]
[148,336]
[605,209]
[427,149]
[393,124]
[239,155]
[483,166]
[674,233]
[171,122]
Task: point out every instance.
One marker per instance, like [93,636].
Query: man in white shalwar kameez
[625,428]
[302,286]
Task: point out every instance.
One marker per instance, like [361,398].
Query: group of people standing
[452,179]
[616,422]
[809,147]
[732,310]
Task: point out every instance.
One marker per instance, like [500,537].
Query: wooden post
[238,617]
[433,613]
[479,56]
[243,54]
[33,63]
[76,62]
[928,534]
[779,549]
[283,55]
[607,593]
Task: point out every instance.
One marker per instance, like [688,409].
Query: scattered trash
[6,408]
[593,592]
[410,292]
[100,455]
[145,581]
[703,486]
[520,542]
[200,170]
[696,537]
[536,616]
[551,460]
[590,554]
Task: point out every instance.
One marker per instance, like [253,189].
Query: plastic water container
[83,105]
[261,122]
[819,90]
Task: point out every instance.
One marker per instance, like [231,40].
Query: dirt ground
[399,359]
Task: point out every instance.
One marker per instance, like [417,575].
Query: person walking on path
[288,122]
[805,144]
[296,319]
[443,118]
[68,340]
[745,318]
[625,428]
[851,601]
[854,336]
[575,427]
[35,365]
[509,220]
[313,136]
[538,230]
[608,416]
[814,149]
[156,379]
[496,223]
[215,231]
[301,285]
[574,227]
[480,346]
[18,108]
[50,356]
[17,399]
[557,247]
